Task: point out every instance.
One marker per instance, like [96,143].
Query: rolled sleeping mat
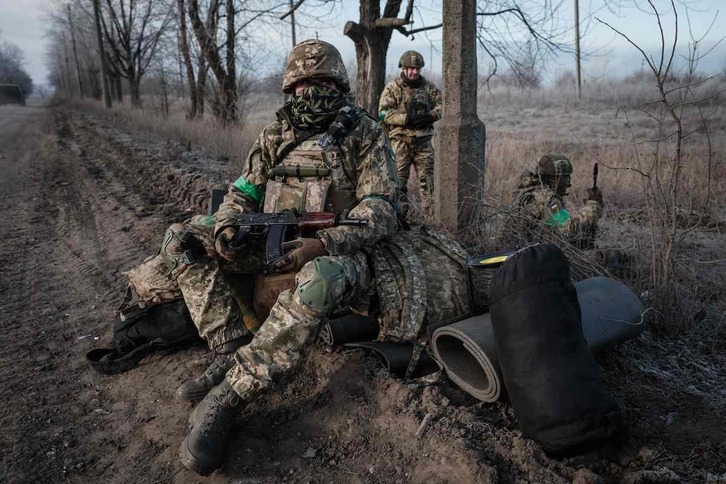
[396,357]
[611,314]
[466,350]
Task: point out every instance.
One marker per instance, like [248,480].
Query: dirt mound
[88,202]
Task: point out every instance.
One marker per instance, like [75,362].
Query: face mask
[315,106]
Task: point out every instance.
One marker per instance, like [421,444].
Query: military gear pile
[315,59]
[420,276]
[411,58]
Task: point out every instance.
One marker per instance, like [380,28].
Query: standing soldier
[541,198]
[409,106]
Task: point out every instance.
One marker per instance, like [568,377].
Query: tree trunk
[119,89]
[184,48]
[164,94]
[205,36]
[106,85]
[75,52]
[371,48]
[230,79]
[134,86]
[68,67]
[201,86]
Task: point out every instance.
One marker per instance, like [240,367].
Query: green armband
[558,216]
[255,193]
[382,115]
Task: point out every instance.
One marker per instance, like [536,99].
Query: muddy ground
[82,201]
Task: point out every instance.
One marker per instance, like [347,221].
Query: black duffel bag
[553,382]
[165,327]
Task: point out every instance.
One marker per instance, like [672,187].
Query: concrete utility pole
[102,56]
[459,167]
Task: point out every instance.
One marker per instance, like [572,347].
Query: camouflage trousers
[207,283]
[418,152]
[287,335]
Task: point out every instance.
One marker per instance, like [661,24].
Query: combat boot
[205,444]
[194,389]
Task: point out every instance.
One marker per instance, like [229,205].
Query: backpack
[142,330]
[552,379]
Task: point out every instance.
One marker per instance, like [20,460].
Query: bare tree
[132,30]
[184,49]
[672,207]
[225,74]
[371,36]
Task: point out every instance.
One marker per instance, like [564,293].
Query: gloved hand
[223,244]
[594,194]
[424,120]
[298,252]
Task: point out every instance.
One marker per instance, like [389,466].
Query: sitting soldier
[541,200]
[310,160]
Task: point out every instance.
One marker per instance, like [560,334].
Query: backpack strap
[109,361]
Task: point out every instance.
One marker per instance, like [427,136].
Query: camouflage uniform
[540,203]
[412,144]
[359,174]
[362,179]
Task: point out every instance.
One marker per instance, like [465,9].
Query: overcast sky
[23,22]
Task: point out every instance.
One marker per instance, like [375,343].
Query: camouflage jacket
[365,158]
[394,99]
[539,203]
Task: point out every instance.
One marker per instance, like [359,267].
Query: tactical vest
[311,179]
[419,98]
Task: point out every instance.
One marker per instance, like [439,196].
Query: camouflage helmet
[554,164]
[315,59]
[411,58]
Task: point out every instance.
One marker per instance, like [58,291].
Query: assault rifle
[275,227]
[588,240]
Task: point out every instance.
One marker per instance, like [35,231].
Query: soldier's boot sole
[196,464]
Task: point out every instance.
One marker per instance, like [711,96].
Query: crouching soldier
[541,201]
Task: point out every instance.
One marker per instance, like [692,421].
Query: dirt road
[82,201]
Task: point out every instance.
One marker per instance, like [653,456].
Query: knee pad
[180,246]
[321,284]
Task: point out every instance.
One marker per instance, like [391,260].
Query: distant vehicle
[11,94]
